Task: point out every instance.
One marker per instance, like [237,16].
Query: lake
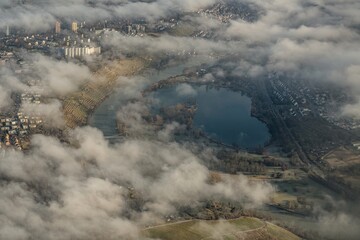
[223,114]
[104,116]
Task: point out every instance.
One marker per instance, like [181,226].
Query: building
[356,145]
[78,52]
[57,27]
[74,27]
[7,30]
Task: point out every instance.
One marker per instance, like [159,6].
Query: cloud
[313,40]
[185,90]
[166,134]
[298,39]
[339,226]
[131,115]
[59,77]
[165,44]
[44,75]
[58,191]
[339,220]
[81,191]
[5,100]
[50,112]
[41,15]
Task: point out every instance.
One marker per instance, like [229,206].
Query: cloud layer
[58,192]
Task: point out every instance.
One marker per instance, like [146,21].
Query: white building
[76,52]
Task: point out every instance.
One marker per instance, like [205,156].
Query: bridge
[114,138]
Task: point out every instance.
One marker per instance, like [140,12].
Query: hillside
[241,228]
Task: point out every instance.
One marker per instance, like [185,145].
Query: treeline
[233,162]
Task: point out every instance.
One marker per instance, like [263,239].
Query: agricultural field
[241,228]
[342,157]
[77,106]
[344,164]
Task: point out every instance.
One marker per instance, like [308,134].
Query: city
[170,119]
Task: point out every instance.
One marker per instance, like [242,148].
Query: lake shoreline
[79,106]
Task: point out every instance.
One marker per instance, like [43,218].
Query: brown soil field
[79,105]
[342,157]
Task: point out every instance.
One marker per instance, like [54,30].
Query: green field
[242,228]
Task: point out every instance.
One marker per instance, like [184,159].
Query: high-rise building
[7,30]
[74,27]
[57,27]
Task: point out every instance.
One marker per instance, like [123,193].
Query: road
[281,126]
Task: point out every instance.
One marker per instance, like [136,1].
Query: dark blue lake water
[223,114]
